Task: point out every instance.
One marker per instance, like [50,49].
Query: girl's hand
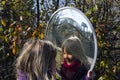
[89,74]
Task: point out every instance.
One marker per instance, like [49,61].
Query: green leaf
[118,29]
[1,29]
[102,63]
[28,13]
[95,8]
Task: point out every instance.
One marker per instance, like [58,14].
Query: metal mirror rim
[94,34]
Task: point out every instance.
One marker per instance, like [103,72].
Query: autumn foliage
[18,22]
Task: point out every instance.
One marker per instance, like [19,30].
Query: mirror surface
[68,21]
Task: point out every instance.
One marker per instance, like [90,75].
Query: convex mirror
[68,21]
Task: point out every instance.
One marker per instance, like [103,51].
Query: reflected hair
[74,46]
[36,59]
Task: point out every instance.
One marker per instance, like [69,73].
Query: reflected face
[68,56]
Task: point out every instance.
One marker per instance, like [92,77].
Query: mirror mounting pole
[38,13]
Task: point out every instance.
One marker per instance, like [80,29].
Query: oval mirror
[68,21]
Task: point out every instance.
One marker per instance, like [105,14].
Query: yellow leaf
[42,35]
[41,25]
[3,21]
[14,43]
[3,2]
[14,50]
[35,33]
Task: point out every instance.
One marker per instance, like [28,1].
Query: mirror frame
[94,34]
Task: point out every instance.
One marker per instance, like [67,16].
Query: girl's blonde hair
[74,46]
[36,59]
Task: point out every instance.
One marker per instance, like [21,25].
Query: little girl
[36,61]
[75,61]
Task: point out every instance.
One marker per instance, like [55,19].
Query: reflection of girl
[36,61]
[75,60]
